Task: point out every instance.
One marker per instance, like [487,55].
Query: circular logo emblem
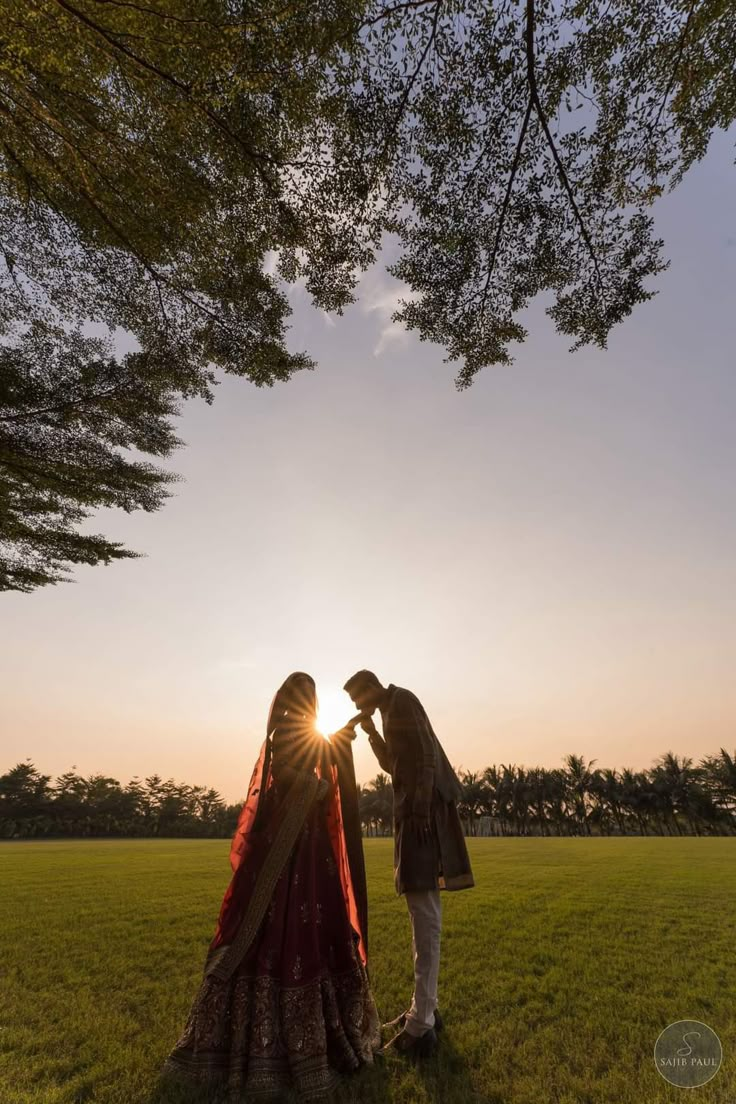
[688,1053]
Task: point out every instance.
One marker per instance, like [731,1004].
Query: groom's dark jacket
[424,783]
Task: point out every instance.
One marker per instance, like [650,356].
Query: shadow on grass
[443,1079]
[367,1085]
[446,1078]
[170,1089]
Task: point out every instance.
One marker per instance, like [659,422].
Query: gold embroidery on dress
[297,968]
[257,1037]
[265,1031]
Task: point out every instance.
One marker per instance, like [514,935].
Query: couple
[285,999]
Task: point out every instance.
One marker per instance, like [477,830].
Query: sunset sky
[547,559]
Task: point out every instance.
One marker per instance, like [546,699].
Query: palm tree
[556,805]
[607,789]
[376,804]
[579,779]
[676,781]
[539,790]
[471,804]
[366,802]
[489,790]
[719,775]
[629,801]
[505,798]
[523,795]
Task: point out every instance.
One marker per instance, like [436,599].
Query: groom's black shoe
[414,1046]
[400,1022]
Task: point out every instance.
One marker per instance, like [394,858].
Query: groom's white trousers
[425,911]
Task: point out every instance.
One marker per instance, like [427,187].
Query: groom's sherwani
[424,784]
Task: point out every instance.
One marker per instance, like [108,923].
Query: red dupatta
[248,821]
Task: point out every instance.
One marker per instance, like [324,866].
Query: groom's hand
[368,726]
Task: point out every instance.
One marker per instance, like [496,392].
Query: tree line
[673,797]
[32,806]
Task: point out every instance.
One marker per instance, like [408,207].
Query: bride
[285,1000]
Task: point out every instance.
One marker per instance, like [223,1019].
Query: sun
[334,710]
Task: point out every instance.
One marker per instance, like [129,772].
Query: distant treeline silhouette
[674,797]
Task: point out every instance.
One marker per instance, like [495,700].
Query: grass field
[559,970]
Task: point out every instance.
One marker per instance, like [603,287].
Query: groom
[429,845]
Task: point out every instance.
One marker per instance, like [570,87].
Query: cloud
[381,296]
[296,290]
[271,261]
[378,294]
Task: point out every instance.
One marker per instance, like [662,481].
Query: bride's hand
[348,731]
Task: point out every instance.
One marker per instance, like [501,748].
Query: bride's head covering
[296,699]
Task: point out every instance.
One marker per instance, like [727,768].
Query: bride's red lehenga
[285,1000]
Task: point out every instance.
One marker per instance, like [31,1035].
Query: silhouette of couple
[285,1000]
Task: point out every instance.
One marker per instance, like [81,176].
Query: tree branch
[27,414]
[506,199]
[175,82]
[550,140]
[155,275]
[27,474]
[407,91]
[82,18]
[678,59]
[170,18]
[409,5]
[49,120]
[487,144]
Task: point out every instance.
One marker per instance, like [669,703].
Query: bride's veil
[297,693]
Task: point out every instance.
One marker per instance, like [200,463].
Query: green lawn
[559,971]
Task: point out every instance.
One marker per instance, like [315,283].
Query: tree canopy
[156,156]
